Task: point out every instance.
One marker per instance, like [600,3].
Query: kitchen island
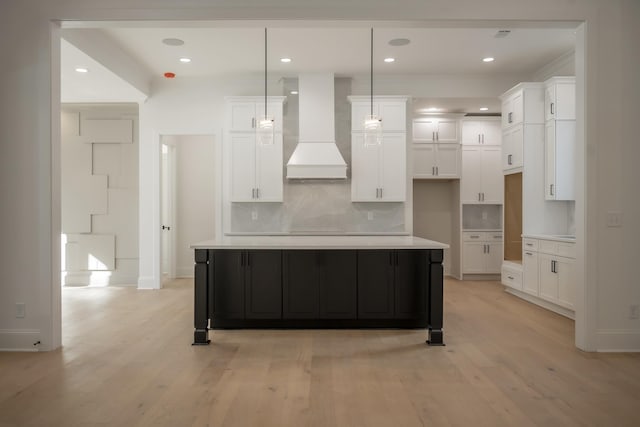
[318,281]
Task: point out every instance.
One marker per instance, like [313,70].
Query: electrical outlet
[20,310]
[614,219]
[370,215]
[254,215]
[633,311]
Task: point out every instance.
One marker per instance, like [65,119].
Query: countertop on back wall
[320,242]
[557,237]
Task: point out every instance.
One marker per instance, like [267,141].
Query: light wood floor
[128,360]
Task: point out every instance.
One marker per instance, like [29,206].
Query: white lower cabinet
[548,273]
[512,275]
[481,252]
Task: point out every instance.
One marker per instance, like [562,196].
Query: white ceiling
[343,49]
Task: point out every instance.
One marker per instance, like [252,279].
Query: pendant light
[372,122]
[266,126]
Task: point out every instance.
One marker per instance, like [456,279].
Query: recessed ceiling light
[185,60]
[285,60]
[173,42]
[82,70]
[389,59]
[294,92]
[484,108]
[399,42]
[488,59]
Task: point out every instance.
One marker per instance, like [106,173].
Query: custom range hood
[316,156]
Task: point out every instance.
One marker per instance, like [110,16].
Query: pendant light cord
[371,72]
[265,73]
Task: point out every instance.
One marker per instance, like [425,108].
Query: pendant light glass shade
[265,128]
[372,123]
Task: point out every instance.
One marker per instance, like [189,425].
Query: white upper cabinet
[560,138]
[482,180]
[436,161]
[481,132]
[523,104]
[432,130]
[245,111]
[391,109]
[512,149]
[560,98]
[256,170]
[379,171]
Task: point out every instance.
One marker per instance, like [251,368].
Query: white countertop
[555,237]
[319,242]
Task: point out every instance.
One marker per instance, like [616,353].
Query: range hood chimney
[316,156]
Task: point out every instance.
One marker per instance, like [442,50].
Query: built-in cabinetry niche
[482,239]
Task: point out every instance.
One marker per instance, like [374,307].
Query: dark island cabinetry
[323,288]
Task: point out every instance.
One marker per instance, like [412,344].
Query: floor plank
[127,360]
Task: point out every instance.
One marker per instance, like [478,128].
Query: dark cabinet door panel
[300,285]
[228,276]
[410,295]
[263,284]
[338,284]
[375,284]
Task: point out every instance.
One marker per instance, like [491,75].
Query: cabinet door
[471,187]
[550,161]
[565,159]
[269,171]
[517,108]
[565,268]
[565,107]
[263,284]
[300,285]
[424,130]
[471,133]
[228,284]
[491,133]
[492,179]
[512,149]
[507,106]
[365,181]
[447,130]
[338,284]
[393,168]
[448,161]
[375,284]
[393,115]
[530,272]
[493,258]
[548,279]
[473,257]
[243,116]
[424,160]
[410,288]
[243,182]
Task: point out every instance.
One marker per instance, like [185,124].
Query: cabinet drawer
[474,236]
[494,236]
[548,247]
[512,277]
[567,249]
[530,244]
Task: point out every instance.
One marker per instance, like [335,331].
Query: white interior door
[167,197]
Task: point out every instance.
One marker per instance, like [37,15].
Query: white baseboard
[542,303]
[106,278]
[19,339]
[618,340]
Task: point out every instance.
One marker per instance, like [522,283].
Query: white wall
[195,197]
[29,144]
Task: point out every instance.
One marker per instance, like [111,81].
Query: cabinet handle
[497,237]
[483,197]
[437,136]
[552,108]
[253,193]
[381,193]
[510,117]
[553,266]
[433,135]
[257,193]
[474,237]
[529,244]
[479,139]
[551,189]
[529,253]
[433,170]
[510,277]
[509,156]
[483,138]
[437,171]
[488,249]
[253,122]
[478,196]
